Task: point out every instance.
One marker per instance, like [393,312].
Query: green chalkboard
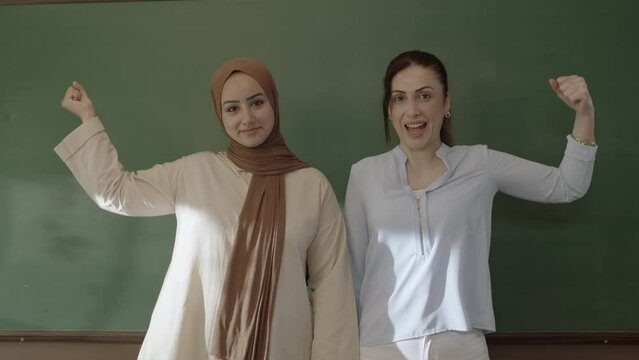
[65,264]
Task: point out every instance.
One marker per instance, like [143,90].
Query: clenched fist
[573,91]
[77,101]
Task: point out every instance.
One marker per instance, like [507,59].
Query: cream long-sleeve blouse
[206,193]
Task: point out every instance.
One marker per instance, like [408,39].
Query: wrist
[584,141]
[87,116]
[586,116]
[584,128]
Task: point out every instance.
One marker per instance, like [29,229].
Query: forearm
[584,127]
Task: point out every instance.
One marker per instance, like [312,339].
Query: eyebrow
[248,98]
[418,90]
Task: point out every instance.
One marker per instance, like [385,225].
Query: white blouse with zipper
[420,263]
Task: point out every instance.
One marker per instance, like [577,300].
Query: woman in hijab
[256,227]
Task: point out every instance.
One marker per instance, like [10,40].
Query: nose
[248,117]
[413,108]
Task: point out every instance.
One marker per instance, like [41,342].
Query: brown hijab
[243,324]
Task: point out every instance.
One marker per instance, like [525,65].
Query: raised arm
[570,181]
[573,91]
[93,160]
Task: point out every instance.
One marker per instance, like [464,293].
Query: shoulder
[467,150]
[378,170]
[467,154]
[205,157]
[309,177]
[206,162]
[374,164]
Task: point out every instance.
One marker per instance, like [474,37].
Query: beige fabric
[206,192]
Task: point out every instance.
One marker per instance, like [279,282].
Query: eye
[424,96]
[397,98]
[258,102]
[232,108]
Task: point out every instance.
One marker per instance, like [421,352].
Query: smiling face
[417,108]
[247,114]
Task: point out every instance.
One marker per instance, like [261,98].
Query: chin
[418,144]
[253,143]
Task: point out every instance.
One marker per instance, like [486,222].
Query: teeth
[415,126]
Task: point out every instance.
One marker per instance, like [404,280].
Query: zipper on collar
[419,218]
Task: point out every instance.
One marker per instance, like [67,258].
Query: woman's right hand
[76,100]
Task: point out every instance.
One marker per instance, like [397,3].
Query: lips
[250,131]
[416,129]
[416,125]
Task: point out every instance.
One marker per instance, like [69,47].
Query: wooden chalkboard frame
[498,338]
[107,345]
[30,2]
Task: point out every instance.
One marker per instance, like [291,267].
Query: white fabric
[206,192]
[447,345]
[420,266]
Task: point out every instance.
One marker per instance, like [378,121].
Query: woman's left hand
[573,91]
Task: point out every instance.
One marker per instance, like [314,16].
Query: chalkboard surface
[65,264]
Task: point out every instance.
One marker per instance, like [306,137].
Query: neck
[423,166]
[421,157]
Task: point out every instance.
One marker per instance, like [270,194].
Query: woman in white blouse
[256,228]
[418,217]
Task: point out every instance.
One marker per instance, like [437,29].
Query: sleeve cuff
[78,137]
[580,151]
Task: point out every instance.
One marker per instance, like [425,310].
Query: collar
[400,158]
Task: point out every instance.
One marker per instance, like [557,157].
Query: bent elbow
[573,194]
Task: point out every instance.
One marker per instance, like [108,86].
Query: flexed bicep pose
[256,227]
[418,217]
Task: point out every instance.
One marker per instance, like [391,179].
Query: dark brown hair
[428,61]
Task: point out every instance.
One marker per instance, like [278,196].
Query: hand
[573,91]
[77,102]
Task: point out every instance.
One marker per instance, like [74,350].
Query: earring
[447,116]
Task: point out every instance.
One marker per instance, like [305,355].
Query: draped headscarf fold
[242,326]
